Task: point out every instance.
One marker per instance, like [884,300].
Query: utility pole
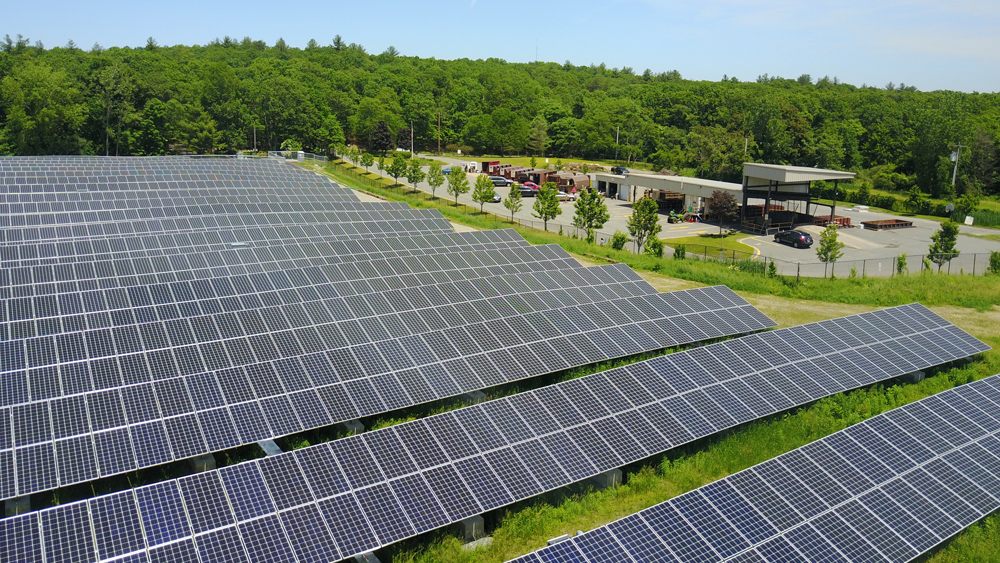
[411,138]
[617,130]
[954,158]
[439,133]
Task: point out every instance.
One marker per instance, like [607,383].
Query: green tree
[943,242]
[829,249]
[458,182]
[513,202]
[398,167]
[916,201]
[381,138]
[414,174]
[644,222]
[367,160]
[723,206]
[533,162]
[591,212]
[546,204]
[44,111]
[484,191]
[354,154]
[968,202]
[435,178]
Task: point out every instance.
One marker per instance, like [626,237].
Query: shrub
[772,270]
[619,240]
[994,267]
[750,266]
[680,252]
[901,264]
[654,247]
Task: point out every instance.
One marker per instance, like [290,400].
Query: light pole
[954,158]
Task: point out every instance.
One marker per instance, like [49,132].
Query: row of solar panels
[350,496]
[331,262]
[152,407]
[161,254]
[385,223]
[888,489]
[108,294]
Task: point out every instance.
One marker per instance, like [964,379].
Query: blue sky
[930,44]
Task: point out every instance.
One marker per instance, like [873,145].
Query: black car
[619,170]
[798,239]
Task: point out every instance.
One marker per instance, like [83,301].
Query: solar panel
[890,488]
[419,475]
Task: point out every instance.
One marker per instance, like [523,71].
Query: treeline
[243,95]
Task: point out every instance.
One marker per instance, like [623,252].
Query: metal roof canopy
[679,184]
[785,183]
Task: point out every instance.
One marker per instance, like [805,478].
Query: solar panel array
[888,489]
[334,500]
[124,347]
[150,407]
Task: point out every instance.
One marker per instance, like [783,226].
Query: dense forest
[236,95]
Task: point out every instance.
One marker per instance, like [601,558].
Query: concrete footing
[558,539]
[915,377]
[474,545]
[366,558]
[270,448]
[608,479]
[471,529]
[473,397]
[351,427]
[19,505]
[202,463]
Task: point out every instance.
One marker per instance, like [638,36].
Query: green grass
[714,241]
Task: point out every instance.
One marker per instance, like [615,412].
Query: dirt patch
[588,262]
[981,325]
[460,228]
[791,312]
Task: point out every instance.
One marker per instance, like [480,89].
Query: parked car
[619,170]
[500,181]
[528,189]
[563,196]
[497,198]
[446,171]
[798,239]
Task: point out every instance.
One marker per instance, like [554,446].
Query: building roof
[679,184]
[791,174]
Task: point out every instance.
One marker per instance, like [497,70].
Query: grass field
[714,241]
[972,303]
